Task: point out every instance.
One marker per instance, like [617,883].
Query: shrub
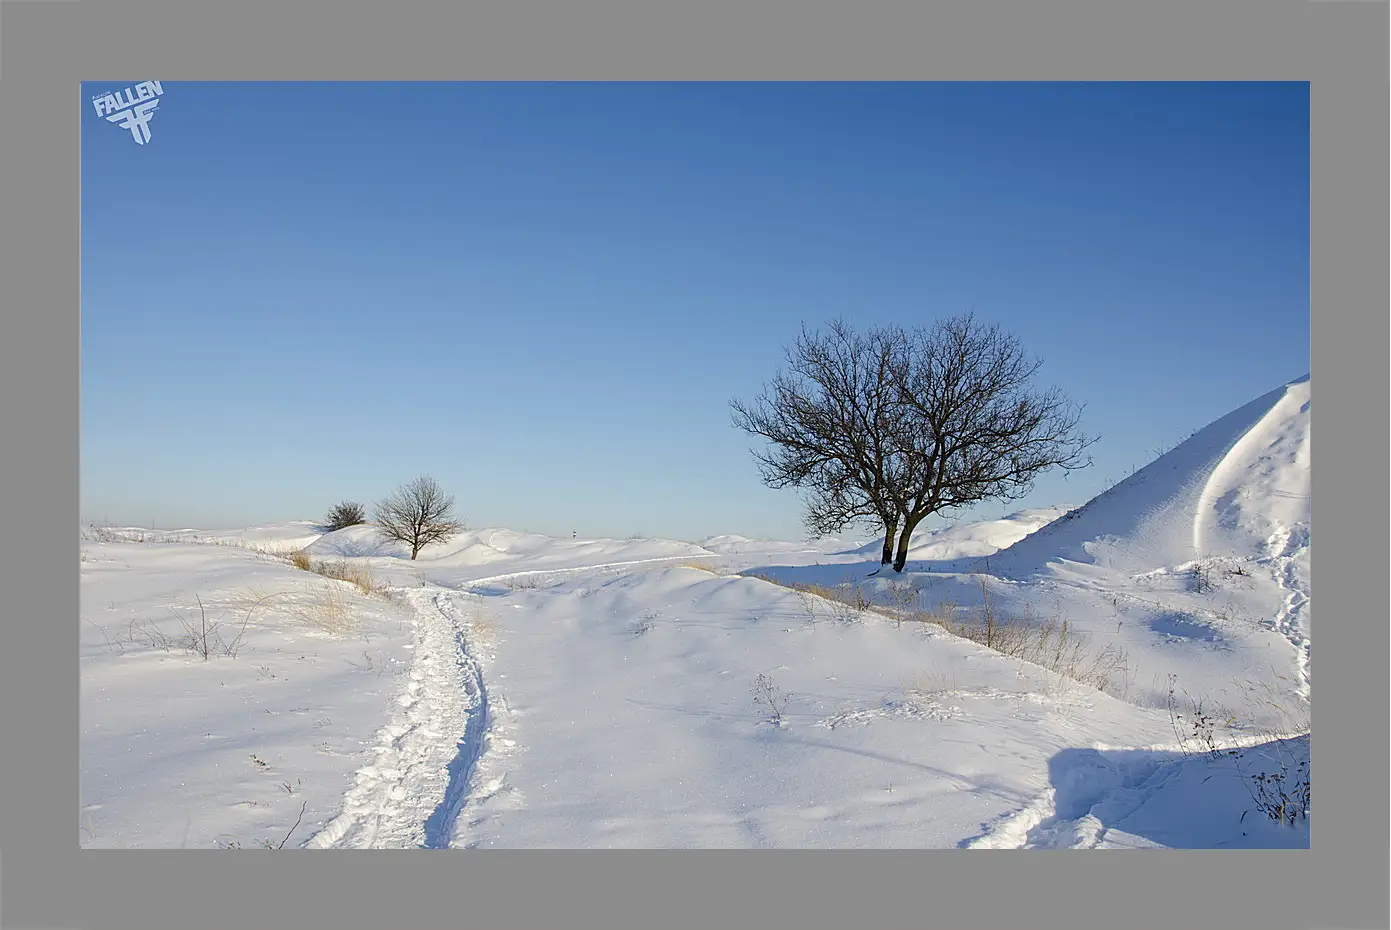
[1280,786]
[767,694]
[344,515]
[1285,795]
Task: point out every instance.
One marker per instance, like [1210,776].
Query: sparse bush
[644,623]
[1200,579]
[1195,728]
[198,632]
[201,636]
[302,561]
[147,634]
[851,604]
[767,694]
[1283,795]
[903,595]
[847,604]
[344,515]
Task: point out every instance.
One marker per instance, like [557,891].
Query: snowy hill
[476,555]
[509,689]
[1238,488]
[971,540]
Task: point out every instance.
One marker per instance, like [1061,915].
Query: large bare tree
[894,426]
[834,428]
[417,513]
[981,429]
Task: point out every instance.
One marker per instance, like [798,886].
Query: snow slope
[277,537]
[951,543]
[1224,492]
[182,752]
[495,554]
[631,723]
[970,540]
[608,706]
[514,690]
[1232,625]
[1207,547]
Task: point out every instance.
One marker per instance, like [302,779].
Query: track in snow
[439,829]
[571,569]
[410,796]
[1286,546]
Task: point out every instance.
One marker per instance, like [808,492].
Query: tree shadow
[1136,798]
[365,545]
[835,573]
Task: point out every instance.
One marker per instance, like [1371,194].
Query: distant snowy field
[514,690]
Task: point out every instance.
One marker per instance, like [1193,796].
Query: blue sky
[545,295]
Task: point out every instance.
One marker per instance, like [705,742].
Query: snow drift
[1234,489]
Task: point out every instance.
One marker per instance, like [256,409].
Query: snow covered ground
[514,690]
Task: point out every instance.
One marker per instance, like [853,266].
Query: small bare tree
[418,513]
[895,426]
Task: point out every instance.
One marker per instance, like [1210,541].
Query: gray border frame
[47,47]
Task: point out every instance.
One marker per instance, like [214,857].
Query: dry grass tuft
[481,627]
[1052,644]
[325,608]
[704,565]
[360,576]
[927,683]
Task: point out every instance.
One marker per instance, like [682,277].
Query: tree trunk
[910,524]
[889,526]
[415,550]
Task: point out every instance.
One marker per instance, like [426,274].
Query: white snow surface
[508,689]
[1222,493]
